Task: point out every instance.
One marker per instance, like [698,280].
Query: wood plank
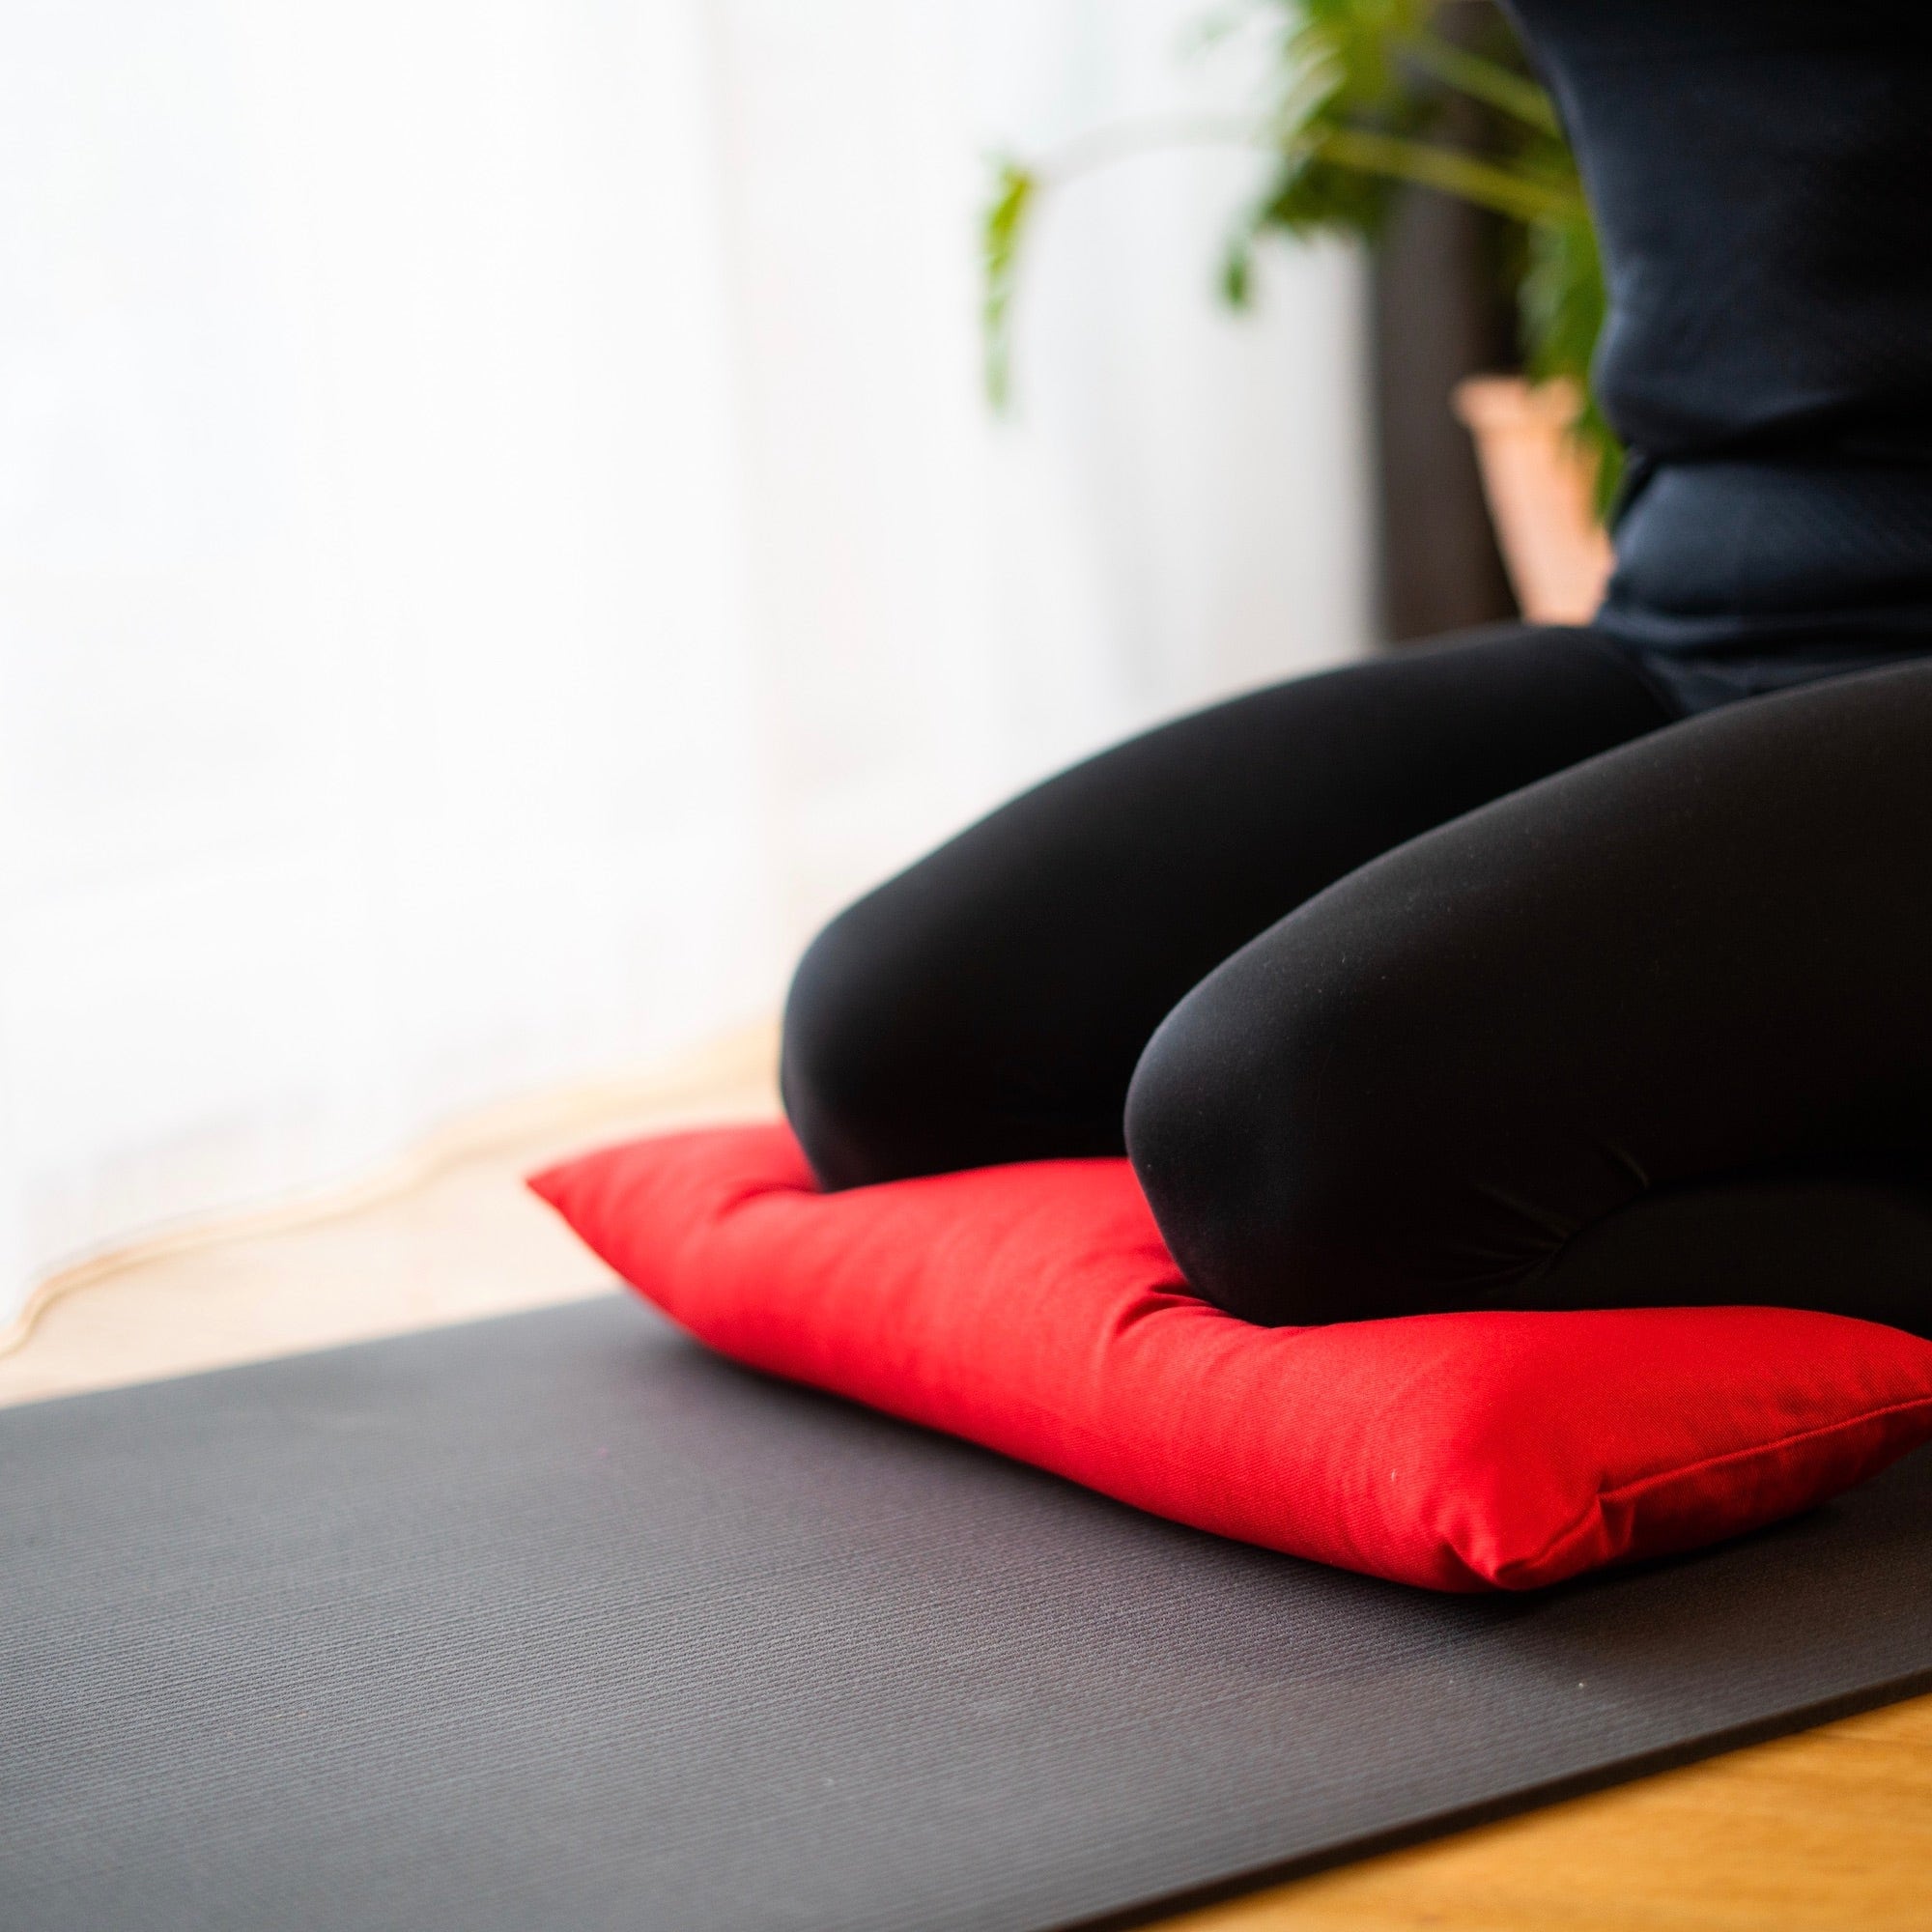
[1818,1833]
[449,1234]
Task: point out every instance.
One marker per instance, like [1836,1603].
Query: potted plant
[1367,96]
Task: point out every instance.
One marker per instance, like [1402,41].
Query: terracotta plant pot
[1538,485]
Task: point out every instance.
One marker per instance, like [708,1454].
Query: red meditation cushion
[1034,1309]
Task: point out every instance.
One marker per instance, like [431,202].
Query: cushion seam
[1638,1484]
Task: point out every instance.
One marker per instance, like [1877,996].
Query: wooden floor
[449,1236]
[1829,1830]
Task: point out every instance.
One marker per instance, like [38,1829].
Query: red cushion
[1035,1310]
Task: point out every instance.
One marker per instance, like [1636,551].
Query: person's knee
[1263,1136]
[844,1072]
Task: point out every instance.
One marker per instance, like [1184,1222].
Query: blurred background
[502,528]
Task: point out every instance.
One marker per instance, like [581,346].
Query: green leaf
[1562,302]
[1237,269]
[1002,228]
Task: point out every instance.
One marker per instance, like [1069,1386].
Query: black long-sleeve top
[1761,174]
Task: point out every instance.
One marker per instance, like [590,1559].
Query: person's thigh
[989,1003]
[1657,1029]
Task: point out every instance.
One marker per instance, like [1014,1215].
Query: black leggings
[1467,978]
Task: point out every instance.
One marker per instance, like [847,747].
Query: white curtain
[499,531]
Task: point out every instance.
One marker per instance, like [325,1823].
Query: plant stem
[1521,197]
[1485,80]
[1122,141]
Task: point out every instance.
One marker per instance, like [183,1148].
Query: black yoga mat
[555,1622]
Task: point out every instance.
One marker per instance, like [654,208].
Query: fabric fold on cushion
[1033,1310]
